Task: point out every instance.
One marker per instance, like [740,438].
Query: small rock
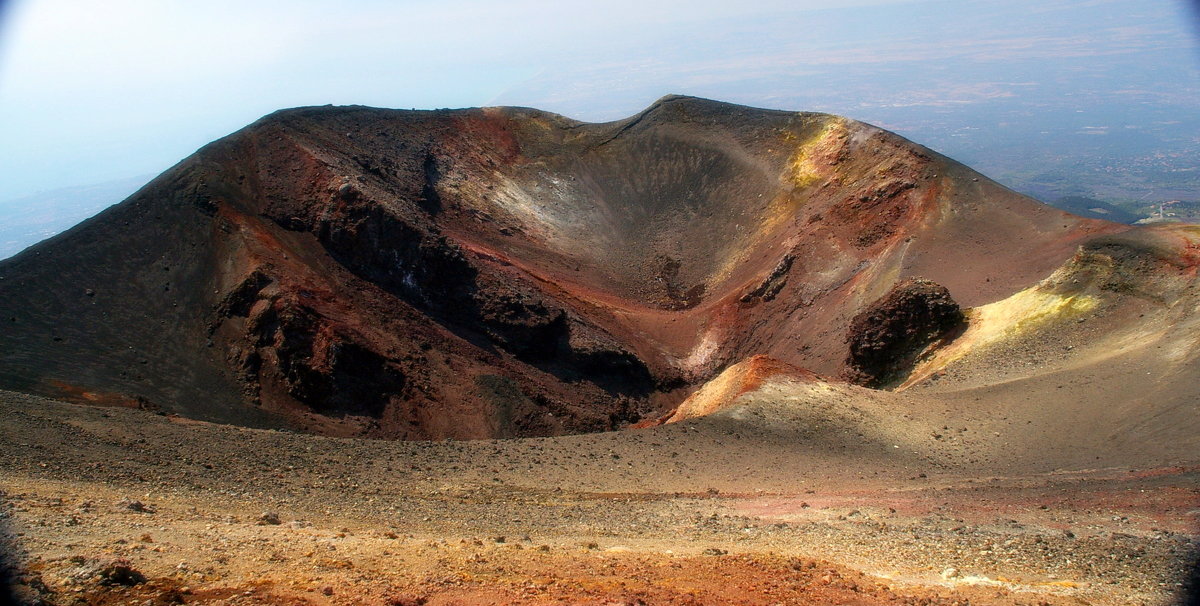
[713,551]
[950,573]
[121,572]
[170,596]
[130,505]
[408,601]
[268,518]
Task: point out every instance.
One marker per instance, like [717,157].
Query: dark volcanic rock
[120,572]
[887,336]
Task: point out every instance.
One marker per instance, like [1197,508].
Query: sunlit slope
[1095,366]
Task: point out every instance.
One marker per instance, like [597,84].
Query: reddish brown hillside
[502,271]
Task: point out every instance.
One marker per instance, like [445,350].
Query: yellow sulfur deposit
[820,148]
[1007,318]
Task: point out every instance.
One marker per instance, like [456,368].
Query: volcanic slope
[506,272]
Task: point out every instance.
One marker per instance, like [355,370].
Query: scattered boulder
[407,601]
[268,518]
[134,505]
[120,572]
[170,596]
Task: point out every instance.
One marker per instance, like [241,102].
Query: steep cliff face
[502,271]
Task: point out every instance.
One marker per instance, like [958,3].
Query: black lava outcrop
[886,338]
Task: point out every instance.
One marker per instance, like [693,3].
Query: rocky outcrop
[888,336]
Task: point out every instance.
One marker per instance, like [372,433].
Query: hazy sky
[100,90]
[92,91]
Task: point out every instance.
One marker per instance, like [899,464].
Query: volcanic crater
[850,369]
[507,272]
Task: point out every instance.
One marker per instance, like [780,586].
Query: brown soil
[687,513]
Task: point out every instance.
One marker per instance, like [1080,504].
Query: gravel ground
[96,499]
